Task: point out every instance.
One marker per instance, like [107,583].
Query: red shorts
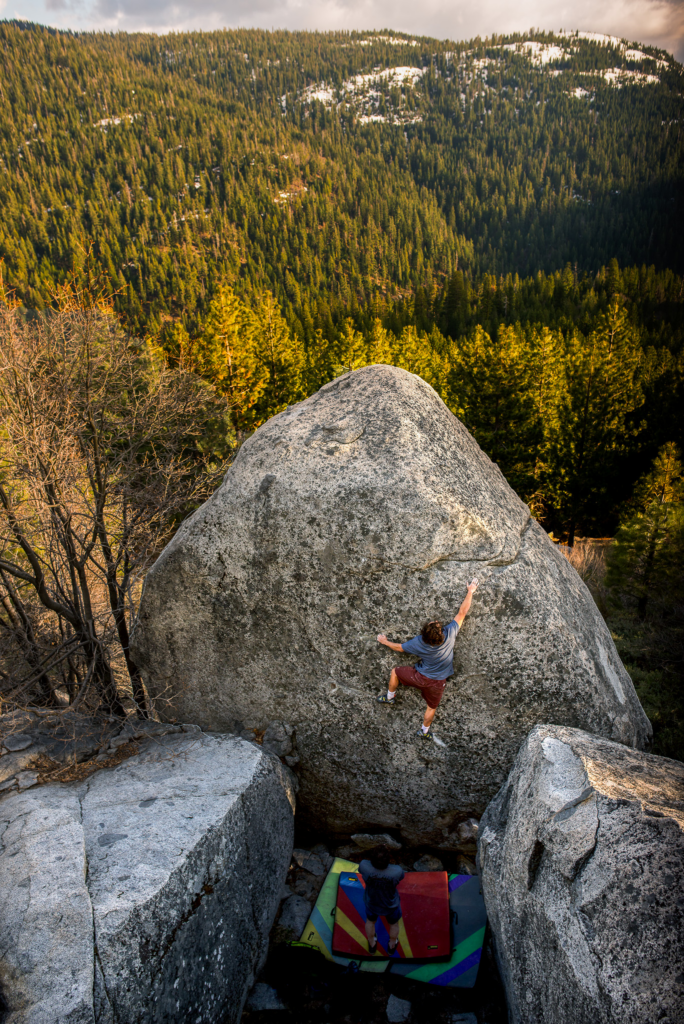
[432,689]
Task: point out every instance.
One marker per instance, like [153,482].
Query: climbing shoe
[426,735]
[384,699]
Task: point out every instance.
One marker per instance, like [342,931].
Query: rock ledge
[132,897]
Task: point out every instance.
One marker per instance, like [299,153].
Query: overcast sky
[660,22]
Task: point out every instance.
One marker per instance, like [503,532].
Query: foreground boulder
[582,862]
[146,893]
[366,509]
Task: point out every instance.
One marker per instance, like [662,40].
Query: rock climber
[435,647]
[381,897]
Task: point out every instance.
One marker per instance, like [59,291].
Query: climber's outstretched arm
[467,601]
[382,639]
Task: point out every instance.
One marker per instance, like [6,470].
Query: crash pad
[319,928]
[469,919]
[424,927]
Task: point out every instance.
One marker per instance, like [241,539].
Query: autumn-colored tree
[103,450]
[279,352]
[504,388]
[227,352]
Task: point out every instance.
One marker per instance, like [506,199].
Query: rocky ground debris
[366,841]
[428,863]
[398,1010]
[64,746]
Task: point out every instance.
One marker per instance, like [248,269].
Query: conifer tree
[648,554]
[494,386]
[602,392]
[227,354]
[281,356]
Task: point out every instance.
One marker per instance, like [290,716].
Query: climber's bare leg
[370,933]
[394,934]
[388,698]
[429,717]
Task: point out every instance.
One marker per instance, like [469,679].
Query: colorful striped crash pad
[424,927]
[469,919]
[468,930]
[319,928]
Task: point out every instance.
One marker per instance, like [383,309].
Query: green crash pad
[469,919]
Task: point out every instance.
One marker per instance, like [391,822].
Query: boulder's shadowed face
[367,509]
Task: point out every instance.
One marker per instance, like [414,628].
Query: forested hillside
[333,169]
[265,211]
[332,199]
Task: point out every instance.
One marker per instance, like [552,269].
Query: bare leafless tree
[103,451]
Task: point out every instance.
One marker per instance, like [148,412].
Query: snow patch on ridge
[365,91]
[361,83]
[368,94]
[539,53]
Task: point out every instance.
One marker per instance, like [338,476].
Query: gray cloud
[659,22]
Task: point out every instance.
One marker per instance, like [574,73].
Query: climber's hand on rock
[382,639]
[473,585]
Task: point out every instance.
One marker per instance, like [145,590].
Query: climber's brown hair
[380,857]
[432,633]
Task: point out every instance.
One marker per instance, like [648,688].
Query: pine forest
[251,214]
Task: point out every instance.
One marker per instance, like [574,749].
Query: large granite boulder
[582,862]
[366,509]
[147,893]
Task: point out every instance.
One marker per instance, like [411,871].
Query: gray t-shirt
[435,662]
[381,894]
